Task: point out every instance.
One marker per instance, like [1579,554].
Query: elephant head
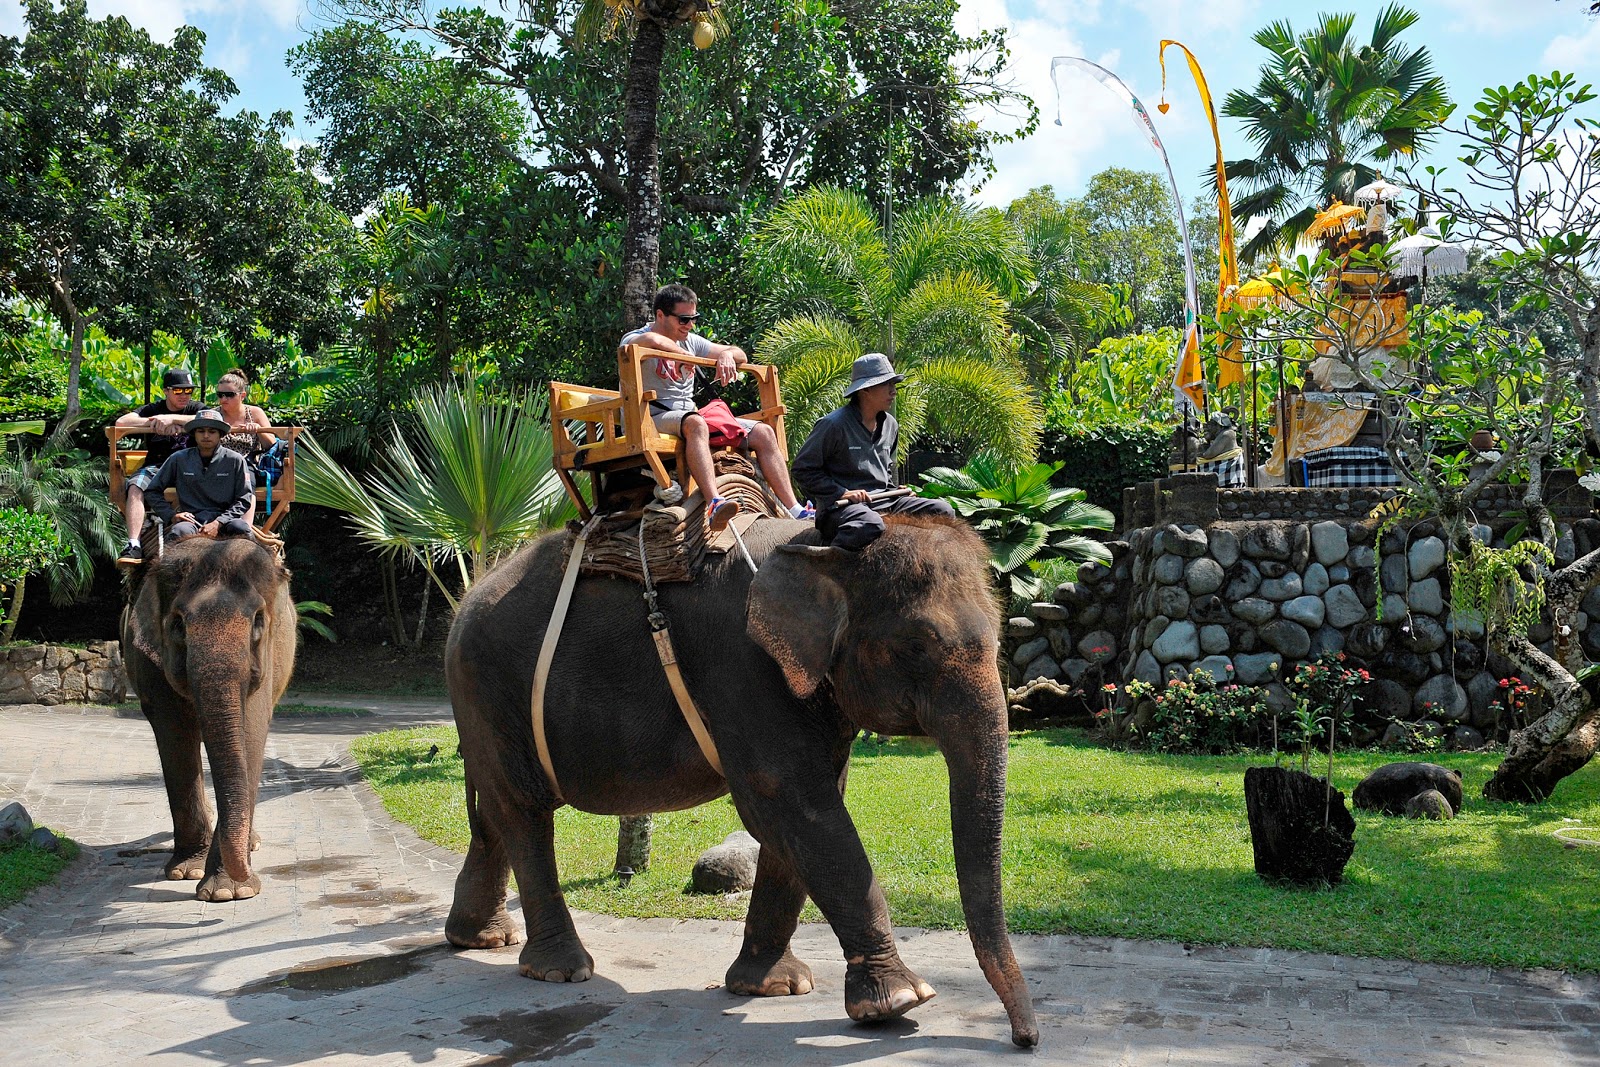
[216,617]
[907,633]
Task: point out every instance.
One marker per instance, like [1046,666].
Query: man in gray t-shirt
[673,409]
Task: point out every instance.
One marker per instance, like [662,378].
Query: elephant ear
[143,626]
[797,612]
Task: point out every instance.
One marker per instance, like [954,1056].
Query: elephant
[786,666]
[209,641]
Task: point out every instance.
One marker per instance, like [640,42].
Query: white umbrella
[1424,254]
[1377,191]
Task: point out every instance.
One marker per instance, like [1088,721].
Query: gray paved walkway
[116,965]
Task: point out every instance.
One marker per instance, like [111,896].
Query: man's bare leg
[133,510]
[697,451]
[774,467]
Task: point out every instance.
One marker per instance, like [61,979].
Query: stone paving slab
[116,965]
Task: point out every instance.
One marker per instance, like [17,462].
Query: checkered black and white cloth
[1229,470]
[1349,467]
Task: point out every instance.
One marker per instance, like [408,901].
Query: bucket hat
[208,419]
[871,369]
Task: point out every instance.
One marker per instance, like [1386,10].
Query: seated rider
[673,409]
[850,456]
[215,490]
[164,423]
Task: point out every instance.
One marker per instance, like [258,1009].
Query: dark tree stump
[1286,810]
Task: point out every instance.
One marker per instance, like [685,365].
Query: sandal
[722,513]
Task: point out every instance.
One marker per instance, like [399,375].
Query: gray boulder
[1224,546]
[15,823]
[1482,690]
[1426,596]
[1289,638]
[1245,581]
[1168,570]
[1042,666]
[1190,544]
[1286,588]
[1326,639]
[1180,641]
[1465,739]
[43,840]
[1315,579]
[1366,639]
[1021,626]
[1425,556]
[1422,634]
[727,868]
[1202,576]
[1386,698]
[1256,668]
[1429,804]
[1048,611]
[1441,697]
[1254,610]
[1146,669]
[1361,557]
[1214,639]
[1389,787]
[1393,574]
[1221,670]
[1344,607]
[1329,543]
[1029,650]
[1171,601]
[1308,611]
[1266,540]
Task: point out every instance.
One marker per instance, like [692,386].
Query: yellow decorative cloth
[1314,425]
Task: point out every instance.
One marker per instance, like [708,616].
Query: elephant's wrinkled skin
[787,667]
[209,642]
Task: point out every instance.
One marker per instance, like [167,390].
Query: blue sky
[1474,43]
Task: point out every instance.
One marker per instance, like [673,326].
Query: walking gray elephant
[209,641]
[787,667]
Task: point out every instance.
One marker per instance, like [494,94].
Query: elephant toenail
[902,999]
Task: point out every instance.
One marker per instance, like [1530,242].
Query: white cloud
[1572,54]
[1181,18]
[162,17]
[1492,16]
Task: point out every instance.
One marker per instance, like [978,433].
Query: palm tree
[68,486]
[934,299]
[649,21]
[1061,317]
[1324,112]
[476,483]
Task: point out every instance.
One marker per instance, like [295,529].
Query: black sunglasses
[229,395]
[687,320]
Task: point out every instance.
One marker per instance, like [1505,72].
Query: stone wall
[1251,600]
[56,674]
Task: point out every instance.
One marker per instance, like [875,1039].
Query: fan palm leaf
[824,250]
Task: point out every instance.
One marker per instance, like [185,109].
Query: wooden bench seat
[605,431]
[126,462]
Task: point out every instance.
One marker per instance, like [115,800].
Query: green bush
[1104,460]
[1204,715]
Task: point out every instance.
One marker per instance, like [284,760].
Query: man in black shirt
[216,494]
[850,456]
[165,422]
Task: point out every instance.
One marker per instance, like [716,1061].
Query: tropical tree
[69,488]
[1061,315]
[1028,523]
[932,295]
[1327,110]
[472,482]
[29,544]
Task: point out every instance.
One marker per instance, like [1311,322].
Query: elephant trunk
[971,729]
[218,693]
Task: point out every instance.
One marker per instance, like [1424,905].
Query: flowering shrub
[1324,691]
[1519,704]
[1200,715]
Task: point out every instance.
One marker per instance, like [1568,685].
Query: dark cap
[177,379]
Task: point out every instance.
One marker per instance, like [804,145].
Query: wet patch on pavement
[321,977]
[537,1035]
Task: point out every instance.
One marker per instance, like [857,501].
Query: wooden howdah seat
[607,432]
[126,462]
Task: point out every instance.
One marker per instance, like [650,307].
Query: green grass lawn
[318,711]
[1119,843]
[24,868]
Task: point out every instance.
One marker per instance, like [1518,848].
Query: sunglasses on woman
[226,394]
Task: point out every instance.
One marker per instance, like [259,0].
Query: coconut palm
[475,483]
[1326,110]
[68,486]
[935,299]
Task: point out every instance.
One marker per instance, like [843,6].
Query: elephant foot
[769,976]
[219,888]
[464,932]
[186,866]
[565,962]
[876,994]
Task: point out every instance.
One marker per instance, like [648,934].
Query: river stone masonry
[1251,600]
[59,674]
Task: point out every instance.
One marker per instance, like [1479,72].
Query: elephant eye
[259,624]
[175,627]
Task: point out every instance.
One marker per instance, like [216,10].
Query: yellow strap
[547,653]
[680,692]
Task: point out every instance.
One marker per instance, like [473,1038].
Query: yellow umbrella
[1338,218]
[1267,289]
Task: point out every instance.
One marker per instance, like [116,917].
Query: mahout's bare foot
[766,975]
[464,931]
[563,960]
[878,992]
[219,888]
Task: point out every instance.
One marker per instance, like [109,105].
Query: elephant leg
[766,966]
[820,843]
[186,794]
[478,916]
[553,952]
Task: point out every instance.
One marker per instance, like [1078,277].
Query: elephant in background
[787,666]
[209,641]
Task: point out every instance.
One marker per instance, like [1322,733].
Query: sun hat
[208,419]
[871,369]
[177,379]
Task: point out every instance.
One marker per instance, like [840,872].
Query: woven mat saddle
[676,540]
